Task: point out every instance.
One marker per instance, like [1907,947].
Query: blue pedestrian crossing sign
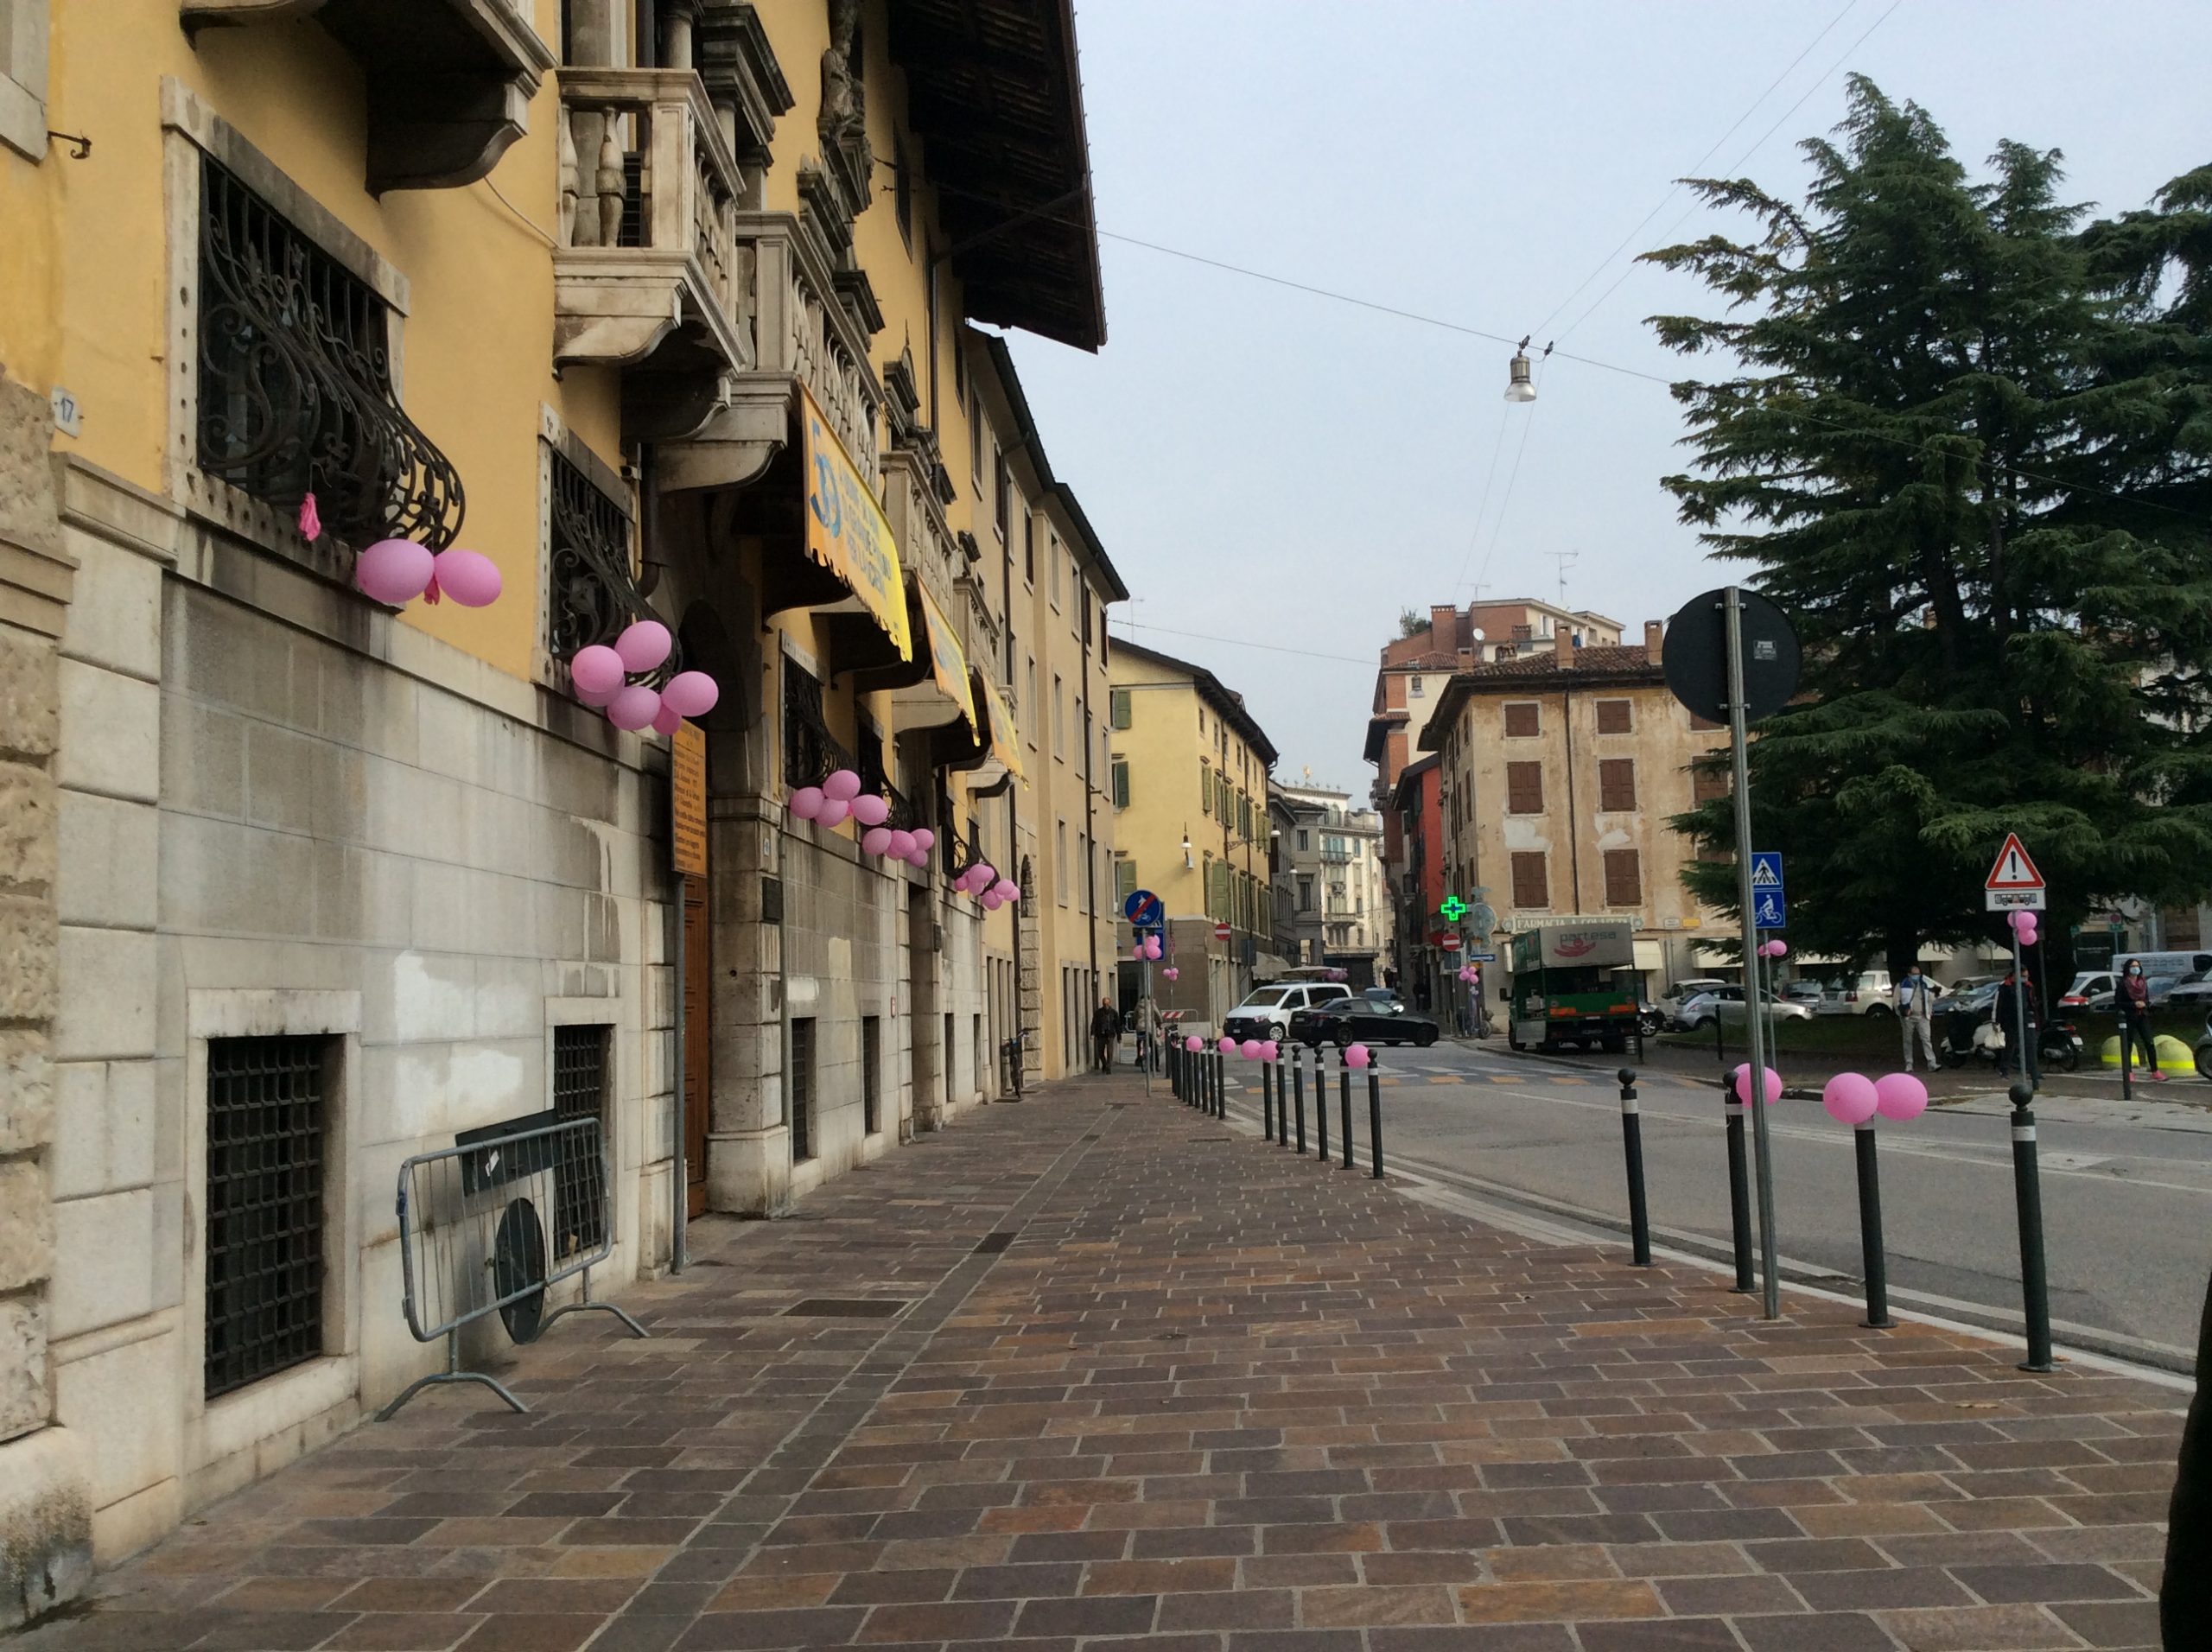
[1770,904]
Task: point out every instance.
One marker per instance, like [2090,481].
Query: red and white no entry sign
[1221,932]
[1451,943]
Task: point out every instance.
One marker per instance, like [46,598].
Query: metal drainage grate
[848,1307]
[993,1243]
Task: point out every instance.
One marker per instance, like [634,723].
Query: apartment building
[662,307]
[1340,897]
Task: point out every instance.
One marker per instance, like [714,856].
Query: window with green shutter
[1119,701]
[1125,879]
[1121,782]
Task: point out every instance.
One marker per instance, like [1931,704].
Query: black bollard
[1870,1227]
[1220,1108]
[1374,1115]
[1344,1091]
[1639,1214]
[2027,1190]
[1739,1191]
[2127,1067]
[1321,1109]
[1282,1099]
[1267,1099]
[1299,1099]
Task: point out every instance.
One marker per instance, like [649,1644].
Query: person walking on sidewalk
[1105,1033]
[2017,997]
[2133,1002]
[1915,1015]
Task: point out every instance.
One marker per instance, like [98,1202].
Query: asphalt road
[2126,1187]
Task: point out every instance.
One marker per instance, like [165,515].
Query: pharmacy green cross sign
[1452,910]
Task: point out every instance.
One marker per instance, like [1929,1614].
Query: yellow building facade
[1189,780]
[664,308]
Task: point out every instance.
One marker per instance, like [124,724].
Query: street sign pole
[1762,1150]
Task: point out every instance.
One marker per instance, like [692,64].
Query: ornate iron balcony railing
[811,753]
[294,386]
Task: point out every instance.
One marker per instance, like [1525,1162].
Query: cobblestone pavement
[1150,1383]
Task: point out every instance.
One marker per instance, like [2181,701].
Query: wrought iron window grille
[296,392]
[811,753]
[578,1092]
[594,595]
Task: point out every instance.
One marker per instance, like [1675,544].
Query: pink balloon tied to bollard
[1898,1096]
[1358,1056]
[1740,1082]
[1850,1098]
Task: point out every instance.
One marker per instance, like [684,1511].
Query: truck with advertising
[1564,985]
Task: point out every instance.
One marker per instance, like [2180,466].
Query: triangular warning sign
[2013,869]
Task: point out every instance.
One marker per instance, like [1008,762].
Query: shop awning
[933,688]
[1005,734]
[847,533]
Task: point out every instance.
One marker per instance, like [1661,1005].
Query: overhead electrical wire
[1239,642]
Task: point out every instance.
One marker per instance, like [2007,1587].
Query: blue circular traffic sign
[1143,909]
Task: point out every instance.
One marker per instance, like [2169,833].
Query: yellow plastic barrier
[2174,1056]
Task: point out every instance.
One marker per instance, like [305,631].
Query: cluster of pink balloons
[1774,949]
[602,675]
[396,571]
[1148,949]
[2023,926]
[1853,1098]
[1471,973]
[838,798]
[1740,1082]
[1171,972]
[982,881]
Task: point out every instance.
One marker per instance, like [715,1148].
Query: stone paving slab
[1159,1385]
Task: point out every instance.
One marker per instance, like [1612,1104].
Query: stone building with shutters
[1557,774]
[663,307]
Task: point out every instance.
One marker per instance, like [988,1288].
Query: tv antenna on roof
[1566,559]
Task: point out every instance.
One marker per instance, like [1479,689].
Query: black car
[1375,1016]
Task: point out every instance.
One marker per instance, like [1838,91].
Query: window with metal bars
[592,595]
[802,1087]
[267,1106]
[871,1073]
[580,1092]
[810,754]
[295,387]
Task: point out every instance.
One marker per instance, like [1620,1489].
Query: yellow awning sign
[948,665]
[846,530]
[1006,739]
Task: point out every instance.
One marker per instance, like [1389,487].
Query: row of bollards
[1282,1106]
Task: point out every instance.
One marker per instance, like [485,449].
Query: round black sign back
[518,1261]
[1695,656]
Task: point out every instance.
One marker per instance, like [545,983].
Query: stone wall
[282,812]
[45,1504]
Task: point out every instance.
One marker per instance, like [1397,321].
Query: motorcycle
[2058,1044]
[2204,1052]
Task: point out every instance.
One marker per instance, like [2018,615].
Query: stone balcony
[449,81]
[650,276]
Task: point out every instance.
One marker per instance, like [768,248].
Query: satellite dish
[1478,633]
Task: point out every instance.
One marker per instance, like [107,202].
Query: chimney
[1443,626]
[1466,656]
[1655,640]
[1563,648]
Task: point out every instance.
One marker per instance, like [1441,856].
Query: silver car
[1726,1004]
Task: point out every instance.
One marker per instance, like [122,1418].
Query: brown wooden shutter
[1524,788]
[1616,717]
[1531,886]
[1708,783]
[1617,785]
[1522,720]
[1624,877]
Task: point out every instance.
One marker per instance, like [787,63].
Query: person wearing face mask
[2133,999]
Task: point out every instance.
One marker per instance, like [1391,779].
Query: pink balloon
[1900,1096]
[1357,1055]
[596,698]
[394,571]
[902,842]
[1250,1049]
[1271,1051]
[871,811]
[876,839]
[843,786]
[1850,1097]
[806,802]
[633,707]
[692,693]
[644,644]
[1228,1045]
[469,577]
[919,858]
[991,900]
[1740,1080]
[1194,1044]
[596,669]
[1171,972]
[1777,949]
[924,838]
[832,812]
[1005,889]
[668,719]
[986,872]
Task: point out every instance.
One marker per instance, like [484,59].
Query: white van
[2162,969]
[1868,993]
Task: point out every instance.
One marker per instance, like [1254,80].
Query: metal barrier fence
[488,1223]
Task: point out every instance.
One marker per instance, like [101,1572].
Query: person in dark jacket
[2013,994]
[2132,999]
[2185,1595]
[1105,1033]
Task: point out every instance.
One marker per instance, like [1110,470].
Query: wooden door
[698,972]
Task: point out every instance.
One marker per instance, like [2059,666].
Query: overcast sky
[1273,467]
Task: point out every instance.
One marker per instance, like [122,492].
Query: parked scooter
[2058,1045]
[2204,1052]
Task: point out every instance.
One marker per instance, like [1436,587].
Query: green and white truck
[1565,988]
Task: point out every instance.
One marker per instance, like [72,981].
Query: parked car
[1726,1004]
[1681,991]
[1266,1012]
[1806,993]
[1871,992]
[2166,970]
[1378,1016]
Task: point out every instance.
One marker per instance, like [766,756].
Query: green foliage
[1968,446]
[1411,624]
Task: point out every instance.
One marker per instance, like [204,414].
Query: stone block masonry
[1094,1369]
